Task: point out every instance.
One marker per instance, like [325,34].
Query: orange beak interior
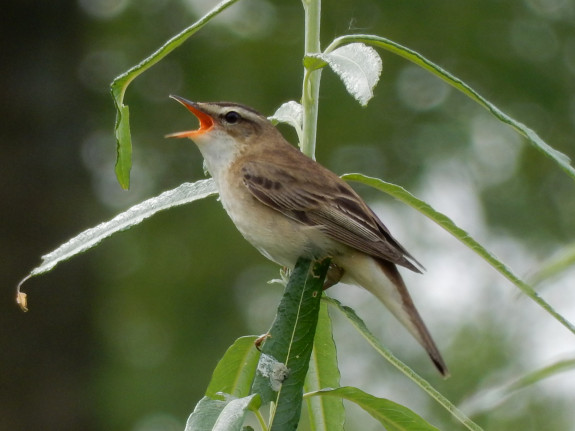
[206,121]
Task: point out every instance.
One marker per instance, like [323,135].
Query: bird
[288,205]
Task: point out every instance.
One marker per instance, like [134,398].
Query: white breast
[276,236]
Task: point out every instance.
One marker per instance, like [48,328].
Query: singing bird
[288,205]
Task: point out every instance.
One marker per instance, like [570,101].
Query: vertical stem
[311,80]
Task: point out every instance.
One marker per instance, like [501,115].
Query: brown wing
[325,201]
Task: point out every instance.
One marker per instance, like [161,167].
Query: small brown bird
[287,205]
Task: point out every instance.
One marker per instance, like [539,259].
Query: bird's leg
[334,275]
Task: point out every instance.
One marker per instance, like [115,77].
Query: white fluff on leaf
[359,67]
[187,192]
[290,113]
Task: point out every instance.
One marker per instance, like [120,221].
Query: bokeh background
[125,336]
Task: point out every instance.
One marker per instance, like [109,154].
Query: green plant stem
[311,80]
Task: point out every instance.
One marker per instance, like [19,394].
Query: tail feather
[382,278]
[417,327]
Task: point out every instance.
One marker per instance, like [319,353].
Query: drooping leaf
[393,416]
[358,66]
[121,83]
[561,159]
[447,224]
[123,164]
[183,194]
[286,351]
[326,413]
[362,329]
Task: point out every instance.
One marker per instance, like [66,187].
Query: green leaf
[393,416]
[183,194]
[558,263]
[232,416]
[123,146]
[121,83]
[541,374]
[226,400]
[358,66]
[447,224]
[236,370]
[221,415]
[561,159]
[205,414]
[488,399]
[286,351]
[326,414]
[412,375]
[314,62]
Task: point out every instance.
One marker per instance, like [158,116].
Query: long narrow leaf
[393,416]
[447,224]
[286,352]
[561,159]
[555,265]
[326,414]
[120,84]
[416,378]
[183,194]
[541,374]
[488,399]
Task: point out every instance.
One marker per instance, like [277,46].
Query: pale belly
[276,236]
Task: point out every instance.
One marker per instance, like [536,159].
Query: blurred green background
[125,337]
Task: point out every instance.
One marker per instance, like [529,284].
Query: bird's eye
[232,117]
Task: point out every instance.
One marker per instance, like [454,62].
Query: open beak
[206,121]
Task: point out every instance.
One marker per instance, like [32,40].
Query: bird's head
[229,122]
[227,131]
